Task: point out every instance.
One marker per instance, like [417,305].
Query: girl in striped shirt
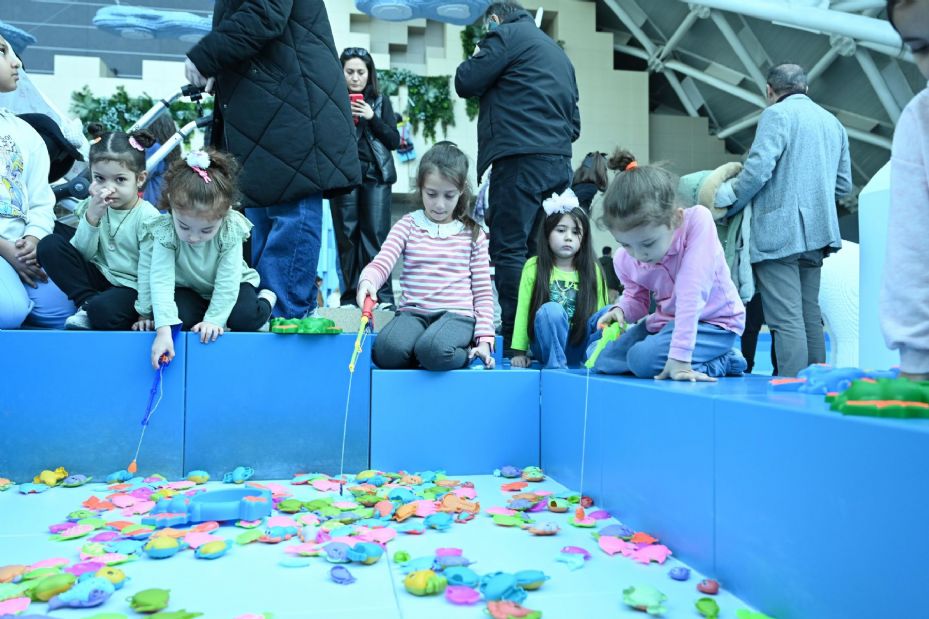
[445,313]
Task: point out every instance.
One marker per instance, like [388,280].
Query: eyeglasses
[355,52]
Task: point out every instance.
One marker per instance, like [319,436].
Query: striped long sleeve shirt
[439,274]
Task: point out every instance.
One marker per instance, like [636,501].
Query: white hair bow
[563,203]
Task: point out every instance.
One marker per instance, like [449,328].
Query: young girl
[361,218]
[573,291]
[674,254]
[197,274]
[26,216]
[445,314]
[99,268]
[904,305]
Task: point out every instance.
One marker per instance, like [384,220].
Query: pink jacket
[691,284]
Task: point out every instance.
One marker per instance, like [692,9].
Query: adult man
[797,166]
[528,120]
[282,110]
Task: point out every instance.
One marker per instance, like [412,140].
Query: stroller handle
[192,92]
[158,156]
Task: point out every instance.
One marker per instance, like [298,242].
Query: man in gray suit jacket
[797,166]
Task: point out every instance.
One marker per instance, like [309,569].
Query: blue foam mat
[77,400]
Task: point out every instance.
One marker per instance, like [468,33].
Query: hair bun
[96,129]
[620,159]
[145,138]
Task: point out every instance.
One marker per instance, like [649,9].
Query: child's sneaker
[78,321]
[268,295]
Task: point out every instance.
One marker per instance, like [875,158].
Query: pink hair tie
[135,144]
[199,161]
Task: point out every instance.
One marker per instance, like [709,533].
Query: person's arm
[524,300]
[86,238]
[241,35]
[694,281]
[635,298]
[576,116]
[162,286]
[904,305]
[384,127]
[483,296]
[380,268]
[143,301]
[770,142]
[40,212]
[843,179]
[225,287]
[478,73]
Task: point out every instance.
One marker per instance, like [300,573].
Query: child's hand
[208,331]
[26,250]
[100,198]
[520,361]
[143,324]
[29,274]
[482,350]
[614,315]
[682,370]
[163,345]
[365,289]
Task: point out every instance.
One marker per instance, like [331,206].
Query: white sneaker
[268,295]
[79,321]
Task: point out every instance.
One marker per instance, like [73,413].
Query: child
[905,289]
[26,216]
[444,318]
[589,179]
[675,255]
[99,268]
[197,274]
[573,291]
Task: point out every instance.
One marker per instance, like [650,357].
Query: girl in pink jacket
[674,254]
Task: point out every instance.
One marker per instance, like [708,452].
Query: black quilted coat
[281,102]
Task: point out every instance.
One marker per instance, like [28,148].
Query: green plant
[470,37]
[119,111]
[429,99]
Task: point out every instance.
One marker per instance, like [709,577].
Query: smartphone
[355,96]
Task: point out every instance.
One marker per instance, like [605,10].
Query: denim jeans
[644,354]
[285,251]
[550,345]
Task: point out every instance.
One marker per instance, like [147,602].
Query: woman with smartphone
[362,218]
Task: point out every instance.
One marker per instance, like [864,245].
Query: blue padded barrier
[464,422]
[649,457]
[76,399]
[817,514]
[276,403]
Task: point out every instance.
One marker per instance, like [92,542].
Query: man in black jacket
[528,120]
[282,110]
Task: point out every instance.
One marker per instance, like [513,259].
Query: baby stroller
[70,192]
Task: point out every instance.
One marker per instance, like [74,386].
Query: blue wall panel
[76,399]
[464,422]
[820,515]
[276,403]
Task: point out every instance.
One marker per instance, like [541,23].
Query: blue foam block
[464,422]
[276,403]
[817,514]
[76,399]
[649,454]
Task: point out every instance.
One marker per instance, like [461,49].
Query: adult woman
[362,218]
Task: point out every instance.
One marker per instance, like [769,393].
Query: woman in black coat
[362,218]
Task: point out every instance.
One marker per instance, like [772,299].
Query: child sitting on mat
[675,254]
[194,272]
[445,314]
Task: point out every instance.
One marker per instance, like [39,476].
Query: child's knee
[391,354]
[551,311]
[14,309]
[644,361]
[49,245]
[439,356]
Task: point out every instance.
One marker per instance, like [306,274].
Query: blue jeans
[45,306]
[285,252]
[550,345]
[645,354]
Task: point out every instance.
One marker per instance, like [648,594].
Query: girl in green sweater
[195,272]
[553,318]
[98,269]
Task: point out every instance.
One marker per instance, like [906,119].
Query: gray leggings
[436,342]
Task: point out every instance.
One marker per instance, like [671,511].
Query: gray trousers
[437,342]
[789,289]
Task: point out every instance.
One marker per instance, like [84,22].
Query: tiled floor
[250,580]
